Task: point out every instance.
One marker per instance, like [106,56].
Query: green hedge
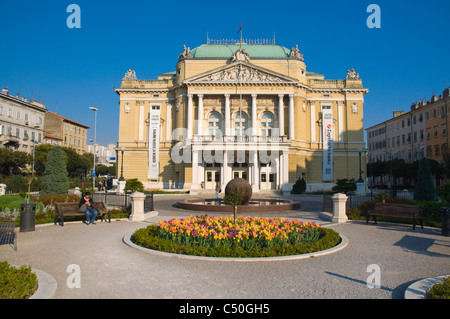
[145,237]
[440,290]
[16,283]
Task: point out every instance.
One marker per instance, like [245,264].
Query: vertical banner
[327,127]
[153,145]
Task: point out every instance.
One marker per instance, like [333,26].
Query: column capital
[281,96]
[200,96]
[189,95]
[227,96]
[254,95]
[291,95]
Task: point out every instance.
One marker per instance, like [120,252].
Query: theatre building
[245,109]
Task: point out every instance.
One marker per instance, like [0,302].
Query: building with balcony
[21,122]
[240,109]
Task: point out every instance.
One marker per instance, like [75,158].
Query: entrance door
[267,177]
[212,175]
[240,170]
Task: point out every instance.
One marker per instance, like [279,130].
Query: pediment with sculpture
[240,73]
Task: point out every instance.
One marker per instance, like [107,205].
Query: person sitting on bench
[86,205]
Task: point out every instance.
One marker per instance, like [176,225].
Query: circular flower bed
[248,237]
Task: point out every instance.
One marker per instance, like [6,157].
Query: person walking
[218,190]
[86,205]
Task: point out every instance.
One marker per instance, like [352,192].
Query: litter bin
[445,214]
[27,217]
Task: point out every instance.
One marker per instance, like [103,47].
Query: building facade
[251,111]
[65,131]
[422,131]
[21,122]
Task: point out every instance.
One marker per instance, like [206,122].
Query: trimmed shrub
[16,283]
[424,189]
[55,180]
[134,185]
[299,186]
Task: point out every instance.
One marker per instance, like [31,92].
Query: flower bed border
[127,239]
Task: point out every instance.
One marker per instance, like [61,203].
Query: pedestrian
[86,205]
[100,186]
[218,190]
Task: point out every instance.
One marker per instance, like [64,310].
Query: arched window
[214,124]
[266,124]
[240,124]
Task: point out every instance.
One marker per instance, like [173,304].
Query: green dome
[256,51]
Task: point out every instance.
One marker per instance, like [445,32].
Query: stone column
[254,132]
[313,121]
[190,118]
[291,116]
[281,114]
[138,213]
[340,122]
[141,121]
[339,208]
[226,170]
[194,182]
[200,115]
[255,184]
[227,114]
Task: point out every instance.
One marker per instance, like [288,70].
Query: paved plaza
[111,269]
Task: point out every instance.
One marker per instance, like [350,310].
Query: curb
[46,285]
[418,289]
[340,246]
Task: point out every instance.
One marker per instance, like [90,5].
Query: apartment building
[68,132]
[422,131]
[21,122]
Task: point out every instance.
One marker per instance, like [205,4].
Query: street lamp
[95,141]
[121,165]
[360,180]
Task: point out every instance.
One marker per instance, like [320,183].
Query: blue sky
[72,69]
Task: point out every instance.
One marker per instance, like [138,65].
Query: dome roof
[256,51]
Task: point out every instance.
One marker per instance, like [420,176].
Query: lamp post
[95,141]
[122,149]
[360,180]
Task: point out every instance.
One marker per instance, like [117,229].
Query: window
[266,124]
[214,124]
[18,115]
[17,132]
[240,124]
[66,127]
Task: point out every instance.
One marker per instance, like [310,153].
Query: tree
[344,186]
[424,189]
[55,179]
[299,186]
[134,185]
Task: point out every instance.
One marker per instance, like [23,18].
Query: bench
[71,209]
[413,212]
[8,234]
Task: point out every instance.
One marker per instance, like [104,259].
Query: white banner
[327,127]
[153,145]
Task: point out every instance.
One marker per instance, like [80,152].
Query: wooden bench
[8,234]
[413,212]
[71,209]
